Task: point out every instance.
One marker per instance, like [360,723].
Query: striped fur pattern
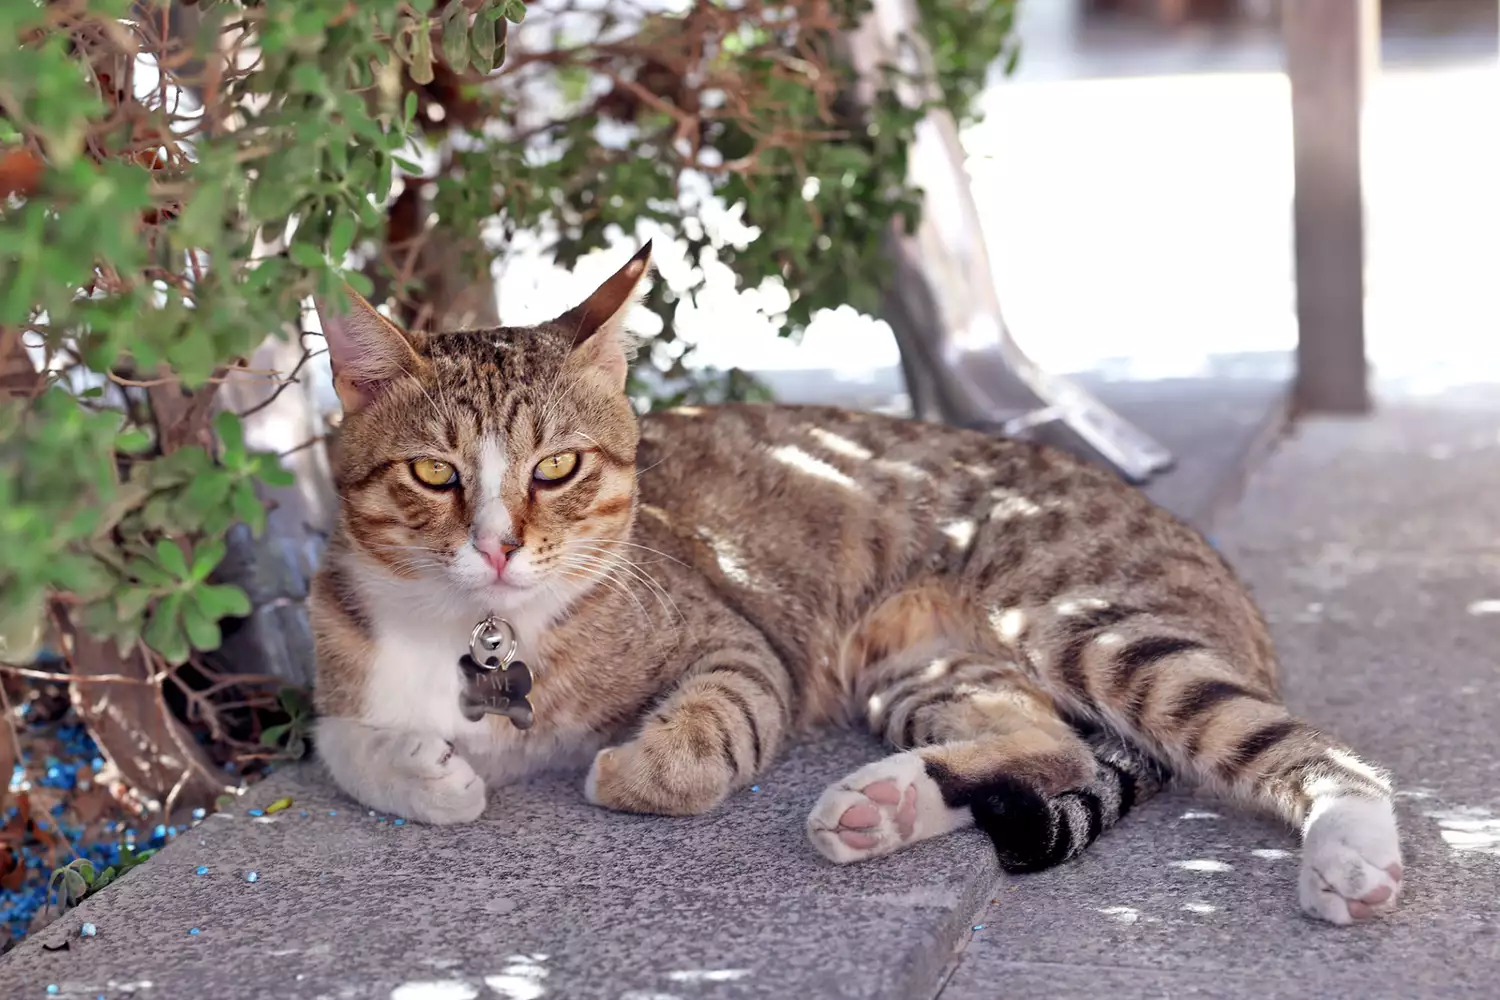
[1039,645]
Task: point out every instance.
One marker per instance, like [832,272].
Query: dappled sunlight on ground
[1469,829]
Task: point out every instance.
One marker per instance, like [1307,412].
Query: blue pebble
[755,788]
[52,988]
[199,813]
[88,930]
[203,869]
[977,927]
[256,812]
[252,876]
[194,931]
[304,814]
[333,812]
[400,822]
[160,831]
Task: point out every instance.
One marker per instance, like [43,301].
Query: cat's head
[489,467]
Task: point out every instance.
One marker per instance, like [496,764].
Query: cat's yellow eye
[556,468]
[434,472]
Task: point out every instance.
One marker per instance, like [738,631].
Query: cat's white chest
[415,681]
[415,684]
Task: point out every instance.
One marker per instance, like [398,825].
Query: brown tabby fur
[755,570]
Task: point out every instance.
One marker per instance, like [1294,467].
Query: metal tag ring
[488,637]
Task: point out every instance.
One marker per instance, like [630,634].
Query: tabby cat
[1038,643]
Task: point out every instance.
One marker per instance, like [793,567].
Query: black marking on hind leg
[1015,816]
[1031,832]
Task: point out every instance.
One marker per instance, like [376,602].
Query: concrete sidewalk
[1375,547]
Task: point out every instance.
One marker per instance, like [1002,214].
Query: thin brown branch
[307,355]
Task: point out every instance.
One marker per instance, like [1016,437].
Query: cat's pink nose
[496,551]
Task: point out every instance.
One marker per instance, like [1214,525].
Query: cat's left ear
[598,323]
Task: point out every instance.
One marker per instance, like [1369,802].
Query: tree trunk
[942,303]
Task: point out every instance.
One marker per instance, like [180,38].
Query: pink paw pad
[857,822]
[1367,906]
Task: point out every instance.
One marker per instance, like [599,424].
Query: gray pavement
[1374,546]
[546,896]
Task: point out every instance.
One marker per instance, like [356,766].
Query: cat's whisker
[641,575]
[605,576]
[633,564]
[641,472]
[611,572]
[633,545]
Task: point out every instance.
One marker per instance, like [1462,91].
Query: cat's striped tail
[1032,832]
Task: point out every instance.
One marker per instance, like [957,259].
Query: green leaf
[206,556]
[204,495]
[248,508]
[410,110]
[294,702]
[421,54]
[482,38]
[269,469]
[456,36]
[134,440]
[131,602]
[231,435]
[271,736]
[222,600]
[171,558]
[202,632]
[306,255]
[148,572]
[360,283]
[515,11]
[163,632]
[341,237]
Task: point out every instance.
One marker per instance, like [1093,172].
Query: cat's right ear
[367,351]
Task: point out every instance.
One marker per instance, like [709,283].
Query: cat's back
[823,460]
[829,504]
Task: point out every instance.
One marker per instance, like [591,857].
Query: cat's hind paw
[881,808]
[1351,861]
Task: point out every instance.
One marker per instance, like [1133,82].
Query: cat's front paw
[650,775]
[444,789]
[1351,861]
[407,774]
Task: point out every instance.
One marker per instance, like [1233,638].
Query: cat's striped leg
[986,747]
[1170,688]
[722,725]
